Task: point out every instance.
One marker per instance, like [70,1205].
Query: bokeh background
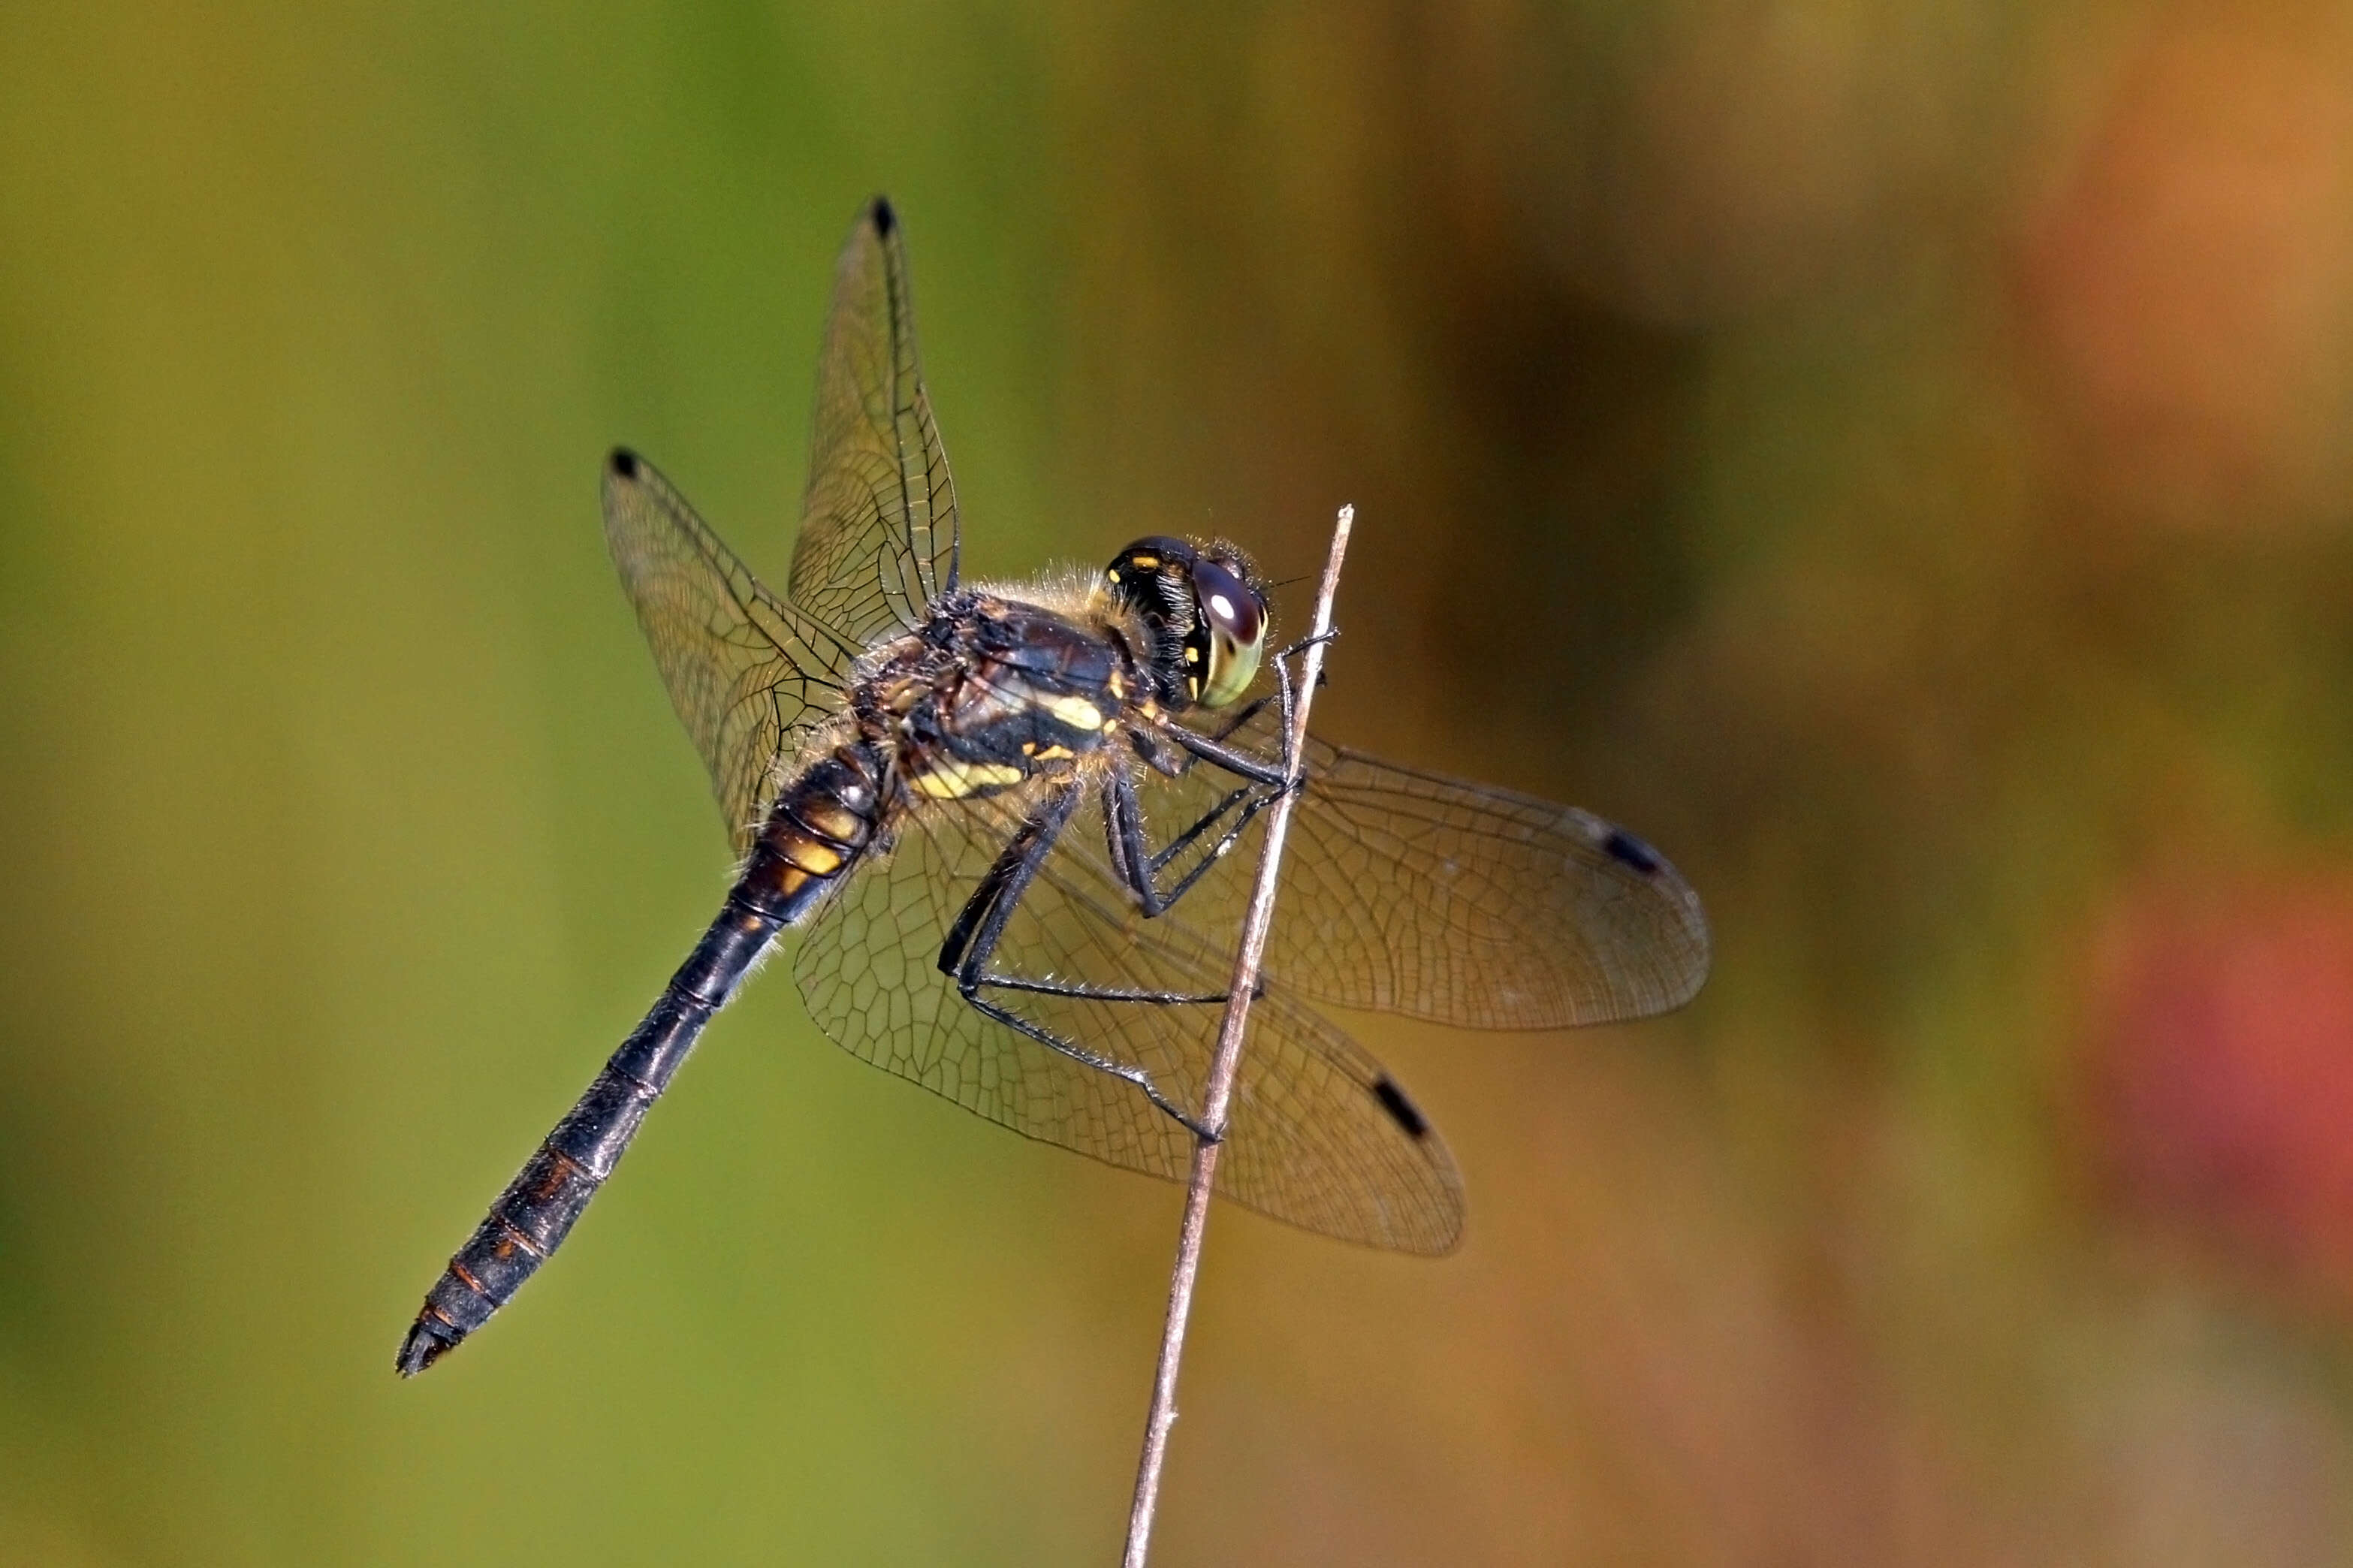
[1892,453]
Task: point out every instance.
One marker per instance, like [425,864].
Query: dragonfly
[1003,819]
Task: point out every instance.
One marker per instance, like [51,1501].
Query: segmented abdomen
[820,825]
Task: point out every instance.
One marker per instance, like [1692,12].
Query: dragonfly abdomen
[818,828]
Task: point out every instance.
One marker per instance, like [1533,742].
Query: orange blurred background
[1894,457]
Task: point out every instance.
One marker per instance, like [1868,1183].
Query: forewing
[1409,893]
[747,673]
[1320,1137]
[878,540]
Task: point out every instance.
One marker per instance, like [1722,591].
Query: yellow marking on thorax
[1078,713]
[952,780]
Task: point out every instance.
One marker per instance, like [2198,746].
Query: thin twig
[1223,1069]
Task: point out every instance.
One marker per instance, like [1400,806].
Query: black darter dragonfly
[1002,814]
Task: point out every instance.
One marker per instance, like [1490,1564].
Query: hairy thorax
[993,691]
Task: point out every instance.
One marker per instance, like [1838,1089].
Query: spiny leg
[1239,763]
[1286,694]
[1262,786]
[1139,869]
[973,941]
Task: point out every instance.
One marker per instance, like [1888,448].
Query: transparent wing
[1320,1136]
[749,674]
[1408,892]
[878,540]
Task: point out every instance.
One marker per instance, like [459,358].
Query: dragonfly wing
[1320,1136]
[878,540]
[748,674]
[1412,893]
[1481,907]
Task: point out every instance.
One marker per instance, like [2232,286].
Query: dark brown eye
[1230,603]
[1234,616]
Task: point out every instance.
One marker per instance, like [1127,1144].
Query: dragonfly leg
[1285,693]
[1139,869]
[1312,639]
[1135,1075]
[1179,763]
[1239,718]
[973,941]
[1241,764]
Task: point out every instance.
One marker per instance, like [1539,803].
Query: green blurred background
[1892,453]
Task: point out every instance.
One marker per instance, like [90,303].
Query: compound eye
[1227,602]
[1233,616]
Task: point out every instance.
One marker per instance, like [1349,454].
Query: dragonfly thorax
[991,693]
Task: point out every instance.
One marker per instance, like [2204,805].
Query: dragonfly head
[1205,610]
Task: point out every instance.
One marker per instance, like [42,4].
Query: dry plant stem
[1223,1069]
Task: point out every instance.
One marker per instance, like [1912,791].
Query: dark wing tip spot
[1627,849]
[1399,1108]
[623,462]
[885,220]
